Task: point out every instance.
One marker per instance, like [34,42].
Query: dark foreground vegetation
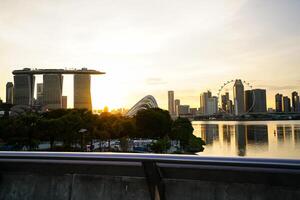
[75,129]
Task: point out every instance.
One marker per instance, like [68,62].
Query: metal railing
[156,167]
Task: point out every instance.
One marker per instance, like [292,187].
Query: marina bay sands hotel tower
[24,82]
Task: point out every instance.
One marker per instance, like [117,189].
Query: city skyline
[190,48]
[82,94]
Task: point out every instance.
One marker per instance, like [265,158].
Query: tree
[153,123]
[161,145]
[182,130]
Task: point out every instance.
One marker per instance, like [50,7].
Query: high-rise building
[238,95]
[286,104]
[171,106]
[64,102]
[256,100]
[278,102]
[23,89]
[229,107]
[177,104]
[184,110]
[9,92]
[82,91]
[212,105]
[295,102]
[194,111]
[52,91]
[225,99]
[39,93]
[204,102]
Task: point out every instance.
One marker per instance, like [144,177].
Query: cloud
[155,81]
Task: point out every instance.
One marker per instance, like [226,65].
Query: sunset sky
[150,47]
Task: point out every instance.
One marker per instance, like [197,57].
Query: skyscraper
[184,109]
[39,93]
[82,91]
[286,104]
[52,91]
[278,102]
[225,99]
[212,105]
[9,92]
[295,102]
[23,89]
[238,95]
[256,100]
[171,106]
[177,104]
[204,102]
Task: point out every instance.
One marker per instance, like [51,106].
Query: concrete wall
[71,187]
[80,176]
[81,187]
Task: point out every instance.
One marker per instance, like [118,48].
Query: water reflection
[210,133]
[240,139]
[262,139]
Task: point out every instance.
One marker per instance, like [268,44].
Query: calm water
[254,139]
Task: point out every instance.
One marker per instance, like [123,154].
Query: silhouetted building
[9,93]
[184,110]
[39,93]
[278,102]
[194,111]
[23,89]
[82,91]
[229,107]
[295,102]
[64,102]
[204,102]
[52,91]
[256,100]
[271,110]
[286,104]
[238,95]
[225,99]
[177,104]
[171,106]
[212,105]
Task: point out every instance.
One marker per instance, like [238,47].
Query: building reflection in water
[228,130]
[271,139]
[279,133]
[257,134]
[240,139]
[297,136]
[210,133]
[284,133]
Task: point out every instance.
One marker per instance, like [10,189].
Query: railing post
[154,180]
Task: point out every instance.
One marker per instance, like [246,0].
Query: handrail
[157,167]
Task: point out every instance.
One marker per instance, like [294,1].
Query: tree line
[79,126]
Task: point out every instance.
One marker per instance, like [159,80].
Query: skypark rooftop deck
[56,71]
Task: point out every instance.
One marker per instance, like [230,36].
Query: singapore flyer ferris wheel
[228,102]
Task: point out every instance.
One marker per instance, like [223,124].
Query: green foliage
[182,130]
[153,123]
[30,129]
[195,145]
[161,145]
